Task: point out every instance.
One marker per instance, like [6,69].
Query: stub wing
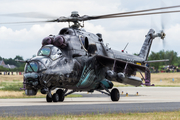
[119,65]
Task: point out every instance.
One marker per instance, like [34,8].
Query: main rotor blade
[30,22]
[139,11]
[85,17]
[129,15]
[29,15]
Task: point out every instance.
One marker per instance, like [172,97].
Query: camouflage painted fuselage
[82,64]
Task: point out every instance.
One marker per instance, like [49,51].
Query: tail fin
[147,45]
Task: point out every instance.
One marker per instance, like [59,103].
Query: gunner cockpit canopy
[50,51]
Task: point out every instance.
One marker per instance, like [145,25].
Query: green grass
[14,85]
[109,116]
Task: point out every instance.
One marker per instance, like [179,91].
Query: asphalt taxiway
[149,99]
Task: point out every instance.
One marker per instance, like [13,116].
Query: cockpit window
[41,66]
[35,66]
[32,67]
[54,50]
[45,51]
[55,53]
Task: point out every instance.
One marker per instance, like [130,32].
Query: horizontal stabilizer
[154,61]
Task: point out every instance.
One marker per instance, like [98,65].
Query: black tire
[115,94]
[60,92]
[48,99]
[55,97]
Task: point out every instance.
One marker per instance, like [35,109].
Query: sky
[25,39]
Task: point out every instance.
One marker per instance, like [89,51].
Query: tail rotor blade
[163,24]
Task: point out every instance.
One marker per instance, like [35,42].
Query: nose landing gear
[60,93]
[48,99]
[55,97]
[58,96]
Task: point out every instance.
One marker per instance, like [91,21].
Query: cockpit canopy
[45,51]
[34,66]
[50,51]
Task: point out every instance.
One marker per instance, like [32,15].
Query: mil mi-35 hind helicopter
[77,60]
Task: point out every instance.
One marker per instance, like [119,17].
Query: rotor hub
[74,14]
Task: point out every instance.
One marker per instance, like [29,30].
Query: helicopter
[77,60]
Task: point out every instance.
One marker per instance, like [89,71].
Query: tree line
[174,60]
[12,61]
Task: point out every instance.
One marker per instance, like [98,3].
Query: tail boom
[144,52]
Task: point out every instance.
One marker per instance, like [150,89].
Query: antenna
[125,47]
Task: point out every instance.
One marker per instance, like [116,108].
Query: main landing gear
[114,94]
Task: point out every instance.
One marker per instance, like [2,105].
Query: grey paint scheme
[84,64]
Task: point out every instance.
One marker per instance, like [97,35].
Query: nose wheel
[48,99]
[56,97]
[60,93]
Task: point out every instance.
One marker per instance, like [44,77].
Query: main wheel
[48,99]
[115,94]
[60,92]
[55,97]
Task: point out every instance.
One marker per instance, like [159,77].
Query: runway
[149,99]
